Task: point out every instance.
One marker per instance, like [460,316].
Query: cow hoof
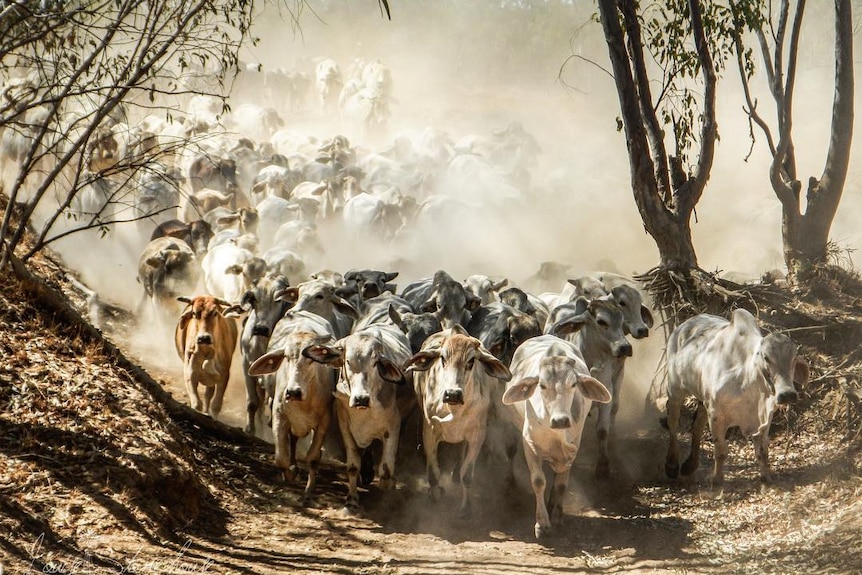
[290,474]
[542,531]
[690,466]
[386,484]
[306,500]
[671,469]
[436,492]
[351,505]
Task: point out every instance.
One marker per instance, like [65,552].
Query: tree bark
[806,236]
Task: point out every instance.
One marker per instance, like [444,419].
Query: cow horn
[184,299]
[223,302]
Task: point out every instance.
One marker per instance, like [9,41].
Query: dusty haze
[466,70]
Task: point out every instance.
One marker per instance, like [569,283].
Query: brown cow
[206,337]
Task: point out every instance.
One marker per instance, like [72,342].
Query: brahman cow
[739,378]
[549,398]
[484,287]
[327,85]
[265,309]
[302,402]
[167,268]
[205,339]
[390,308]
[452,376]
[365,396]
[444,297]
[196,233]
[602,342]
[319,296]
[230,270]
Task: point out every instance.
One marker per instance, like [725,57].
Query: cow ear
[389,276]
[494,367]
[235,269]
[185,299]
[474,302]
[567,325]
[344,307]
[800,372]
[267,363]
[646,316]
[429,306]
[390,372]
[500,284]
[184,319]
[233,311]
[327,355]
[289,295]
[497,346]
[421,361]
[396,318]
[247,300]
[520,391]
[593,389]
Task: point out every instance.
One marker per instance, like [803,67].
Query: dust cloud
[469,69]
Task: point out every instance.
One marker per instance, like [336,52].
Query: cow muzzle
[786,397]
[641,332]
[453,397]
[293,394]
[561,422]
[261,330]
[205,339]
[360,401]
[623,350]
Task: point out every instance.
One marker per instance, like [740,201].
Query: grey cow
[739,378]
[366,401]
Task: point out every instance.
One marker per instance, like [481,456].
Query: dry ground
[102,471]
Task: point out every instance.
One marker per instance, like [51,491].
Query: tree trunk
[806,236]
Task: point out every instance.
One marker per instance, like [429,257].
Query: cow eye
[622,304]
[471,362]
[602,323]
[442,361]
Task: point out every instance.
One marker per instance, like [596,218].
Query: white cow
[365,396]
[328,82]
[596,327]
[739,378]
[302,402]
[549,398]
[230,270]
[453,389]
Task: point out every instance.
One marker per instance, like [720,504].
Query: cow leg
[432,465]
[671,464]
[471,454]
[693,462]
[218,397]
[192,389]
[537,481]
[209,391]
[718,425]
[387,463]
[314,452]
[603,428]
[292,468]
[353,457]
[761,452]
[253,403]
[283,439]
[558,494]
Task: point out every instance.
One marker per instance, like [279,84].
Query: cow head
[370,283]
[450,302]
[455,355]
[637,317]
[558,383]
[366,372]
[416,326]
[263,307]
[600,322]
[198,328]
[781,368]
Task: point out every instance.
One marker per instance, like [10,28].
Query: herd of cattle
[231,210]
